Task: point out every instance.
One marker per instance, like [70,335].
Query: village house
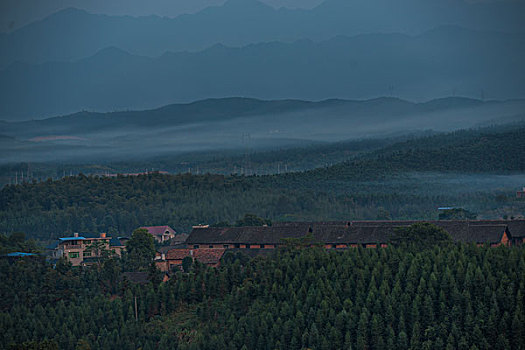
[208,244]
[172,258]
[86,249]
[521,194]
[162,233]
[351,234]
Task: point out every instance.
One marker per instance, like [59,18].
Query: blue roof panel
[20,254]
[71,238]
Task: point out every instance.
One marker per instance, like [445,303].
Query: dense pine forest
[380,184]
[50,209]
[444,297]
[262,175]
[496,148]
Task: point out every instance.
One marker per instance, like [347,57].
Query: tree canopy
[420,235]
[252,220]
[140,250]
[454,297]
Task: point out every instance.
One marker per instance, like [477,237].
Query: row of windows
[237,245]
[266,246]
[73,255]
[77,254]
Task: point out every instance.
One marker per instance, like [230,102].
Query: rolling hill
[476,169]
[239,124]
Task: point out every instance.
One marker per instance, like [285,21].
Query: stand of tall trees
[442,297]
[52,209]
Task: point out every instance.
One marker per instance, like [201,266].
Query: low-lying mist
[256,125]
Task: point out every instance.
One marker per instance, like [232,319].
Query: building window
[226,246]
[237,245]
[87,253]
[196,246]
[73,255]
[210,246]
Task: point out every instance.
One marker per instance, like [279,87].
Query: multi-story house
[87,249]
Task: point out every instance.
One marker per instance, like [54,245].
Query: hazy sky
[16,13]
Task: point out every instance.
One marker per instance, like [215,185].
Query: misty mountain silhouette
[216,124]
[72,34]
[441,62]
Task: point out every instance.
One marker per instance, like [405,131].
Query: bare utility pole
[136,312]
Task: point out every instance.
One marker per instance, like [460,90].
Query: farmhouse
[160,233]
[173,258]
[208,244]
[86,249]
[339,235]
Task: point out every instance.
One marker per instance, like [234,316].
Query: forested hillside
[455,297]
[491,149]
[381,184]
[462,152]
[419,149]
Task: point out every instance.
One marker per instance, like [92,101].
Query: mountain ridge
[417,68]
[241,124]
[228,101]
[153,35]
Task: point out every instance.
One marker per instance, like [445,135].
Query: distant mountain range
[441,62]
[240,125]
[73,34]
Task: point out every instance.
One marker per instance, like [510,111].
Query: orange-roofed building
[172,259]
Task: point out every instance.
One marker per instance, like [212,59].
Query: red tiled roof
[209,255]
[177,254]
[204,255]
[158,230]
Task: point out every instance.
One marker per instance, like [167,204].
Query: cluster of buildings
[208,244]
[87,249]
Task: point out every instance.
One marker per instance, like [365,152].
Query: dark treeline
[450,297]
[460,152]
[50,209]
[491,149]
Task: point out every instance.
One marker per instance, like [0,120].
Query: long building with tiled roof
[352,233]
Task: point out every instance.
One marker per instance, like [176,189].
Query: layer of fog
[257,132]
